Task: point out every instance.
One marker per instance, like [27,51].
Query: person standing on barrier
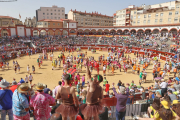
[121,102]
[93,106]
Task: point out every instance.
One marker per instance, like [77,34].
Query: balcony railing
[128,12]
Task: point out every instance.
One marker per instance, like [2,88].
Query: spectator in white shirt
[104,70]
[163,86]
[26,79]
[30,78]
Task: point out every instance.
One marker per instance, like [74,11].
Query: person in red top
[107,87]
[97,67]
[14,86]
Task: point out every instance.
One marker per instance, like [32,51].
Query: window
[144,16]
[53,23]
[43,17]
[144,21]
[51,13]
[54,9]
[47,9]
[131,16]
[58,10]
[58,13]
[43,13]
[169,19]
[177,12]
[134,17]
[124,11]
[148,21]
[58,23]
[138,16]
[58,17]
[138,21]
[55,17]
[156,14]
[170,13]
[51,17]
[51,9]
[175,19]
[47,17]
[62,10]
[161,14]
[54,13]
[47,13]
[134,22]
[149,15]
[160,20]
[177,6]
[156,20]
[134,12]
[45,23]
[48,23]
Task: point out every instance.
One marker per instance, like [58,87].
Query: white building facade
[53,12]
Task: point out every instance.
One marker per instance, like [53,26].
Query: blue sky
[27,8]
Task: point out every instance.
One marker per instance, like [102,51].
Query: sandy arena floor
[51,77]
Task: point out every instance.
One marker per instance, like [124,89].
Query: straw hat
[23,88]
[4,83]
[163,80]
[165,104]
[39,86]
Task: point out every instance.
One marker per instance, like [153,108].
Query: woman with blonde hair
[158,94]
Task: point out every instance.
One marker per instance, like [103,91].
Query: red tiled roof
[53,20]
[70,20]
[93,13]
[50,20]
[7,17]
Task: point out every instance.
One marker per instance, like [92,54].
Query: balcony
[127,17]
[128,12]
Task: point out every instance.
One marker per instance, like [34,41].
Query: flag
[12,20]
[19,16]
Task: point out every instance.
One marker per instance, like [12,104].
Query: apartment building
[120,17]
[90,19]
[123,16]
[7,21]
[54,26]
[53,12]
[163,13]
[30,22]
